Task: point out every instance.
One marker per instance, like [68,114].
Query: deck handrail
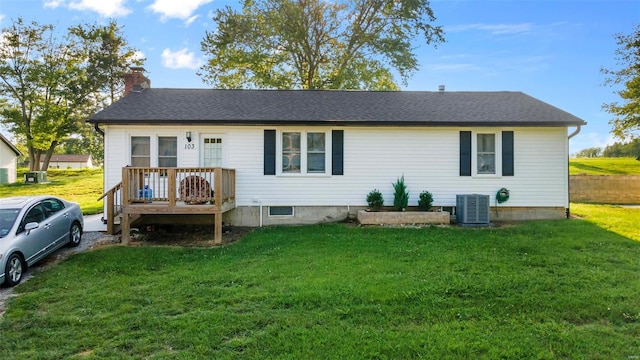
[114,206]
[116,187]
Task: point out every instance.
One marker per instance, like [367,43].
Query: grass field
[81,186]
[617,219]
[604,166]
[563,289]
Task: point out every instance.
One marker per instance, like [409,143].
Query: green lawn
[620,220]
[541,290]
[81,186]
[604,166]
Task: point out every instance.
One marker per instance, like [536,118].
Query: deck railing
[171,191]
[178,186]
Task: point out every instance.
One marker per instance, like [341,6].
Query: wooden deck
[170,191]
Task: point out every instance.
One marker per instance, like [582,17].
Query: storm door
[212,151]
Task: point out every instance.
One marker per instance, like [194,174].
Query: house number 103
[189,146]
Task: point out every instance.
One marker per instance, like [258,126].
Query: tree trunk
[48,154]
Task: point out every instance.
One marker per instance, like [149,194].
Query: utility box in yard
[35,177]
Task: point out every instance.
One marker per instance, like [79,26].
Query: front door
[212,151]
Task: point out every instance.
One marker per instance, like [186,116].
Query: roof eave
[225,122]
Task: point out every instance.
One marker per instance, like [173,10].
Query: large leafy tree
[52,83]
[626,121]
[317,44]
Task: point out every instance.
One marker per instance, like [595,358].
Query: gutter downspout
[98,130]
[574,133]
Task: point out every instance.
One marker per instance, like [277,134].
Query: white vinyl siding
[427,157]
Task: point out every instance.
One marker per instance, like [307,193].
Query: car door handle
[66,215]
[47,226]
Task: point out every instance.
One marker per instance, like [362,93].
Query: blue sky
[550,49]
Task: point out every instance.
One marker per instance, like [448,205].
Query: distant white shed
[8,161]
[70,161]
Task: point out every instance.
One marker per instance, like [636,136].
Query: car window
[52,206]
[35,214]
[7,219]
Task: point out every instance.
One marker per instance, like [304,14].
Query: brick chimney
[135,81]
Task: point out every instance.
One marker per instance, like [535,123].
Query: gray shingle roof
[69,158]
[271,107]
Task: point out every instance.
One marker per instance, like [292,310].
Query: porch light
[189,136]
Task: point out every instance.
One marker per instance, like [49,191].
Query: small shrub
[375,200]
[400,194]
[426,201]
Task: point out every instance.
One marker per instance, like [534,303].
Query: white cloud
[182,9]
[191,19]
[180,59]
[52,4]
[1,17]
[111,8]
[496,29]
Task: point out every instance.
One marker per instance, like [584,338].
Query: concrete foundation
[250,215]
[526,213]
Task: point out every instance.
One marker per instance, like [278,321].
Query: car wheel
[14,270]
[75,234]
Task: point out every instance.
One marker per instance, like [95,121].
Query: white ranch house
[312,156]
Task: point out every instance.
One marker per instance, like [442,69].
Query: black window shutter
[269,152]
[507,153]
[337,152]
[465,153]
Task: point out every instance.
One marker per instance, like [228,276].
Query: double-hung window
[486,153]
[167,151]
[140,151]
[303,152]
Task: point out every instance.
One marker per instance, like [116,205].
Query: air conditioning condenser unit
[472,209]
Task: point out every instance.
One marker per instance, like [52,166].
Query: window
[301,152]
[140,151]
[167,151]
[291,155]
[315,152]
[280,210]
[304,152]
[212,152]
[486,153]
[52,206]
[35,214]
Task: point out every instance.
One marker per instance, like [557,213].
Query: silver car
[32,227]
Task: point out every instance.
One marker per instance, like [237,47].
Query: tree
[630,149]
[317,44]
[51,85]
[626,121]
[589,152]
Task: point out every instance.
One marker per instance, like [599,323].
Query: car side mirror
[30,226]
